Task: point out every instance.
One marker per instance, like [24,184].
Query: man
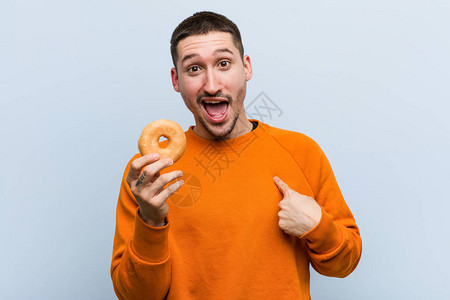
[256,204]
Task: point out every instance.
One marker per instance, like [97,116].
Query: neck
[241,127]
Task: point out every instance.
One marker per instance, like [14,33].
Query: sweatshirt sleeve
[141,264]
[334,245]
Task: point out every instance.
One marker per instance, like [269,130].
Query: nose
[212,82]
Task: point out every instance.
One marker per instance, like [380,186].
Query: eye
[224,64]
[193,69]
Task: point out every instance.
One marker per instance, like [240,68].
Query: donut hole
[163,139]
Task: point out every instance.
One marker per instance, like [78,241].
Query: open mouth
[216,109]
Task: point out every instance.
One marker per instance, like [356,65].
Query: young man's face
[211,77]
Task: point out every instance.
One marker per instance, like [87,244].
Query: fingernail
[181,181]
[170,162]
[181,174]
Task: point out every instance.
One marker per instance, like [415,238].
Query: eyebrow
[221,50]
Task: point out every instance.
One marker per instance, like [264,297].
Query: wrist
[152,222]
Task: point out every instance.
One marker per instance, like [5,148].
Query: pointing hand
[298,213]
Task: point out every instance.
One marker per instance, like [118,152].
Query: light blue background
[368,80]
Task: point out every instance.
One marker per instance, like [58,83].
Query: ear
[247,67]
[174,76]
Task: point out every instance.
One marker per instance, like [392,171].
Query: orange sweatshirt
[222,240]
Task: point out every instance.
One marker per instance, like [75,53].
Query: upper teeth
[212,102]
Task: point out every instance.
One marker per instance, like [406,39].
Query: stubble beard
[220,135]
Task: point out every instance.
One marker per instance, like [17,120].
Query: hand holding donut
[144,178]
[148,187]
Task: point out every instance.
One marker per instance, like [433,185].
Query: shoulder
[292,141]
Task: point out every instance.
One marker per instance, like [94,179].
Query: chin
[222,130]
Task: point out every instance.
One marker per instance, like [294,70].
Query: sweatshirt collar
[236,145]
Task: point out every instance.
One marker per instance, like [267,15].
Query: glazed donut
[176,139]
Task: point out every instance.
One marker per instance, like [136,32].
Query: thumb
[283,187]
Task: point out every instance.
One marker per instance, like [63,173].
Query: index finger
[137,164]
[283,187]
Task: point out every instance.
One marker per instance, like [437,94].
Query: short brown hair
[203,23]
